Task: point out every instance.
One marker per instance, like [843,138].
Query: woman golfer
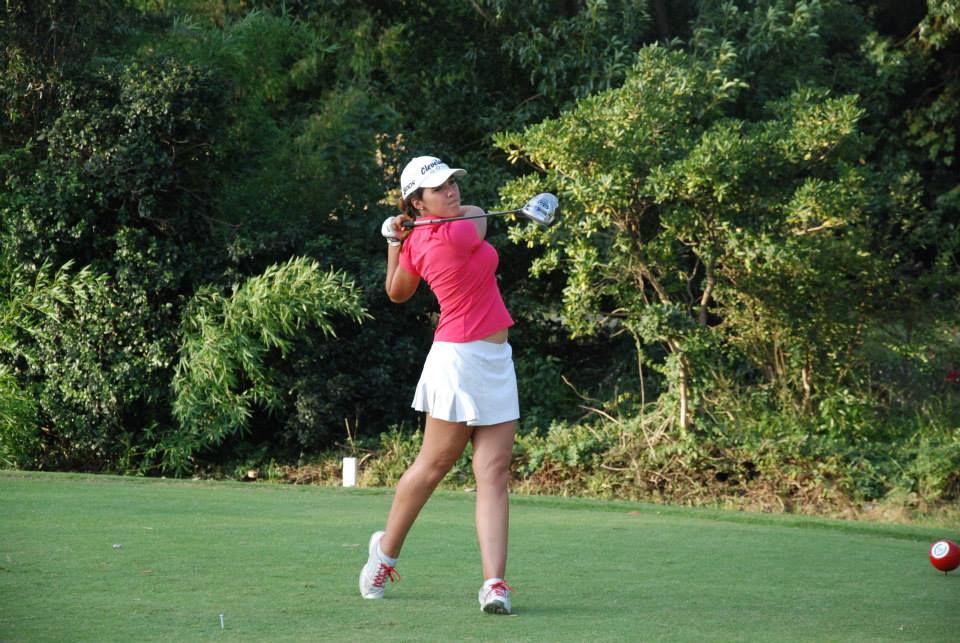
[468,388]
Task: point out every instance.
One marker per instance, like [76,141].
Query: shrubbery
[758,462]
[751,293]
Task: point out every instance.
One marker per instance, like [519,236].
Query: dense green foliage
[751,291]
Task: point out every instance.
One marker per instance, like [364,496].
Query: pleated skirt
[472,382]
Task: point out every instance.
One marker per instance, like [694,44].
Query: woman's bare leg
[443,442]
[492,453]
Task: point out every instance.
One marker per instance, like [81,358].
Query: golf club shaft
[411,224]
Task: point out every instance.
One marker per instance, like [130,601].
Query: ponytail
[406,205]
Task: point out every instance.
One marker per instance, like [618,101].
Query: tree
[714,235]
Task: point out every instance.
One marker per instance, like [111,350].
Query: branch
[486,16]
[823,226]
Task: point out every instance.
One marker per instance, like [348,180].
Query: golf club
[541,209]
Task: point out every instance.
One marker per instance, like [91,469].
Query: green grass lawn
[88,558]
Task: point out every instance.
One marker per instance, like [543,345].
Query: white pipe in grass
[349,472]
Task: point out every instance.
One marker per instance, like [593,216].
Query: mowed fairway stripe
[94,558]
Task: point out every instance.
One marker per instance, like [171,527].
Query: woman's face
[441,201]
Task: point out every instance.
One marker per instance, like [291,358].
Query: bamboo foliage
[223,371]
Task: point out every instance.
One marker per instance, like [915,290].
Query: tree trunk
[684,419]
[707,294]
[683,385]
[805,381]
[663,20]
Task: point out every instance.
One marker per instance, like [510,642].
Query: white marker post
[349,472]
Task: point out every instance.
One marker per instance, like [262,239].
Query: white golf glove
[389,231]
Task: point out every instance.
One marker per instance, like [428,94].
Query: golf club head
[542,208]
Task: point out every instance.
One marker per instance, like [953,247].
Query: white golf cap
[426,172]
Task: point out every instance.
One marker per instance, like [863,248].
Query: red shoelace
[383,573]
[501,588]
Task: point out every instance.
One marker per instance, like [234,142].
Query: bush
[79,368]
[20,444]
[224,370]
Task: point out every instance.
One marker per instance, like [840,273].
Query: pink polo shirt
[460,269]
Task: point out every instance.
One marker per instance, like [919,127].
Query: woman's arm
[400,284]
[481,224]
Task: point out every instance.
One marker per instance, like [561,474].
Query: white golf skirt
[472,382]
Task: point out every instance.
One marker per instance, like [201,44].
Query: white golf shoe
[495,596]
[375,573]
